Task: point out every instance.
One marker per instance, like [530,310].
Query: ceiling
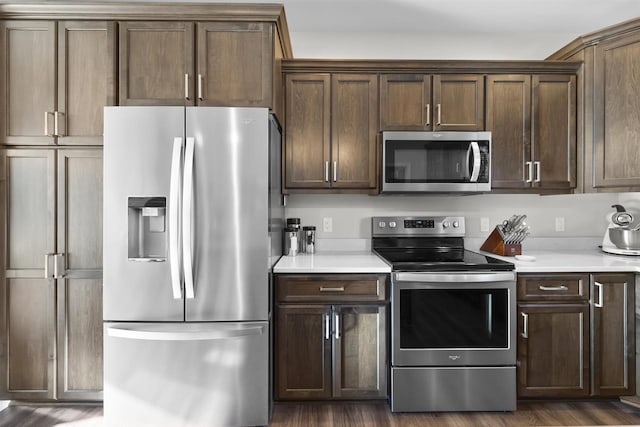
[471,29]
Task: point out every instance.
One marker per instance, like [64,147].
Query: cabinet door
[27,76]
[359,352]
[86,80]
[303,349]
[307,131]
[554,131]
[354,130]
[458,101]
[509,121]
[405,102]
[613,335]
[27,311]
[617,113]
[553,350]
[156,63]
[79,300]
[234,64]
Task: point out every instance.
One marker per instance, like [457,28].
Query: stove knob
[392,224]
[445,224]
[382,224]
[456,224]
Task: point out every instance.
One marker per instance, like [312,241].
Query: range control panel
[449,226]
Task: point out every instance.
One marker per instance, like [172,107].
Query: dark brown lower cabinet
[553,350]
[573,343]
[330,350]
[612,332]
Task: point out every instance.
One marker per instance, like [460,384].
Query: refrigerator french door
[187,258]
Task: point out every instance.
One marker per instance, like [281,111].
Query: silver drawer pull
[553,288]
[325,289]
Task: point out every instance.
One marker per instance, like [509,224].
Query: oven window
[454,318]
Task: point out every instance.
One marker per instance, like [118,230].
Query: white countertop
[332,262]
[546,261]
[573,260]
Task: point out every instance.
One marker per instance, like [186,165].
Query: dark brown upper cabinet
[616,107]
[204,63]
[432,102]
[532,120]
[56,78]
[331,132]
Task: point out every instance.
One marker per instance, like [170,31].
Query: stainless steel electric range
[453,318]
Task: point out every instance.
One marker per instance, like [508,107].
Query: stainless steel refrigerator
[192,228]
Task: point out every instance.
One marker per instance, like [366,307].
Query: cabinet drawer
[331,288]
[553,287]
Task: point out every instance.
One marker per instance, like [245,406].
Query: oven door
[454,319]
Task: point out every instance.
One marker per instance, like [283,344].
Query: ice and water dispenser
[148,229]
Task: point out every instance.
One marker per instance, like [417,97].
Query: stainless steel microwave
[420,162]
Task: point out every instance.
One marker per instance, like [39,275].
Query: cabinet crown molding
[430,66]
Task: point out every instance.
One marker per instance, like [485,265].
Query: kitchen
[581,216]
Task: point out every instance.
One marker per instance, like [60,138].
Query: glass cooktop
[435,254]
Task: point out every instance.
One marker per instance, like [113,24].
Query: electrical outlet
[327,225]
[559,223]
[484,224]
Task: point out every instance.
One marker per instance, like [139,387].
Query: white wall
[584,214]
[459,45]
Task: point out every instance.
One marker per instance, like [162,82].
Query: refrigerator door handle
[155,333]
[174,218]
[187,203]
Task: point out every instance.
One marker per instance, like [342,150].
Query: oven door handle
[455,277]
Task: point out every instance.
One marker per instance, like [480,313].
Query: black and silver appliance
[453,318]
[417,162]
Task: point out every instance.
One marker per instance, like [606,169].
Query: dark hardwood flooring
[366,414]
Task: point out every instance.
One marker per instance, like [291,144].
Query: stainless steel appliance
[620,237]
[415,161]
[453,318]
[192,227]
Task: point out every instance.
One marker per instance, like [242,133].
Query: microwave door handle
[474,149]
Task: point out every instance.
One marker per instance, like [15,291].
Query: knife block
[495,244]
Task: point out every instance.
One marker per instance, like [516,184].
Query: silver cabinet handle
[186,86]
[428,123]
[529,167]
[327,326]
[439,110]
[187,203]
[553,288]
[327,289]
[200,97]
[337,317]
[58,266]
[600,287]
[335,171]
[326,171]
[174,218]
[525,325]
[46,123]
[537,171]
[56,123]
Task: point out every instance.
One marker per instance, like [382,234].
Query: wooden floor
[363,414]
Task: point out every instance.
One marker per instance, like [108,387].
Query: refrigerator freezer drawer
[186,374]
